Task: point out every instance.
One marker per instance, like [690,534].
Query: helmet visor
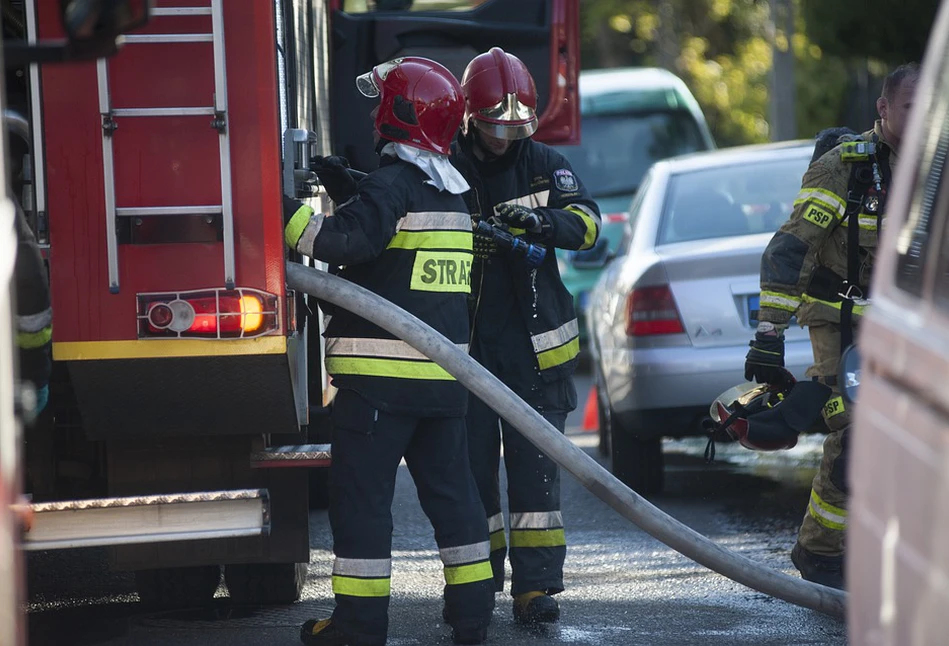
[368,83]
[509,119]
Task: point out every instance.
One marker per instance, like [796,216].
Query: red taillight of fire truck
[207,314]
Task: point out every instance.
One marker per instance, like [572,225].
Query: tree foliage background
[723,50]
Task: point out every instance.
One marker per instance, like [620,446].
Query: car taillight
[208,314]
[622,216]
[652,310]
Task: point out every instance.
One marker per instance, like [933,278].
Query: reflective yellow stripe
[31,340]
[461,574]
[538,538]
[294,229]
[834,407]
[395,368]
[431,240]
[779,301]
[589,238]
[167,348]
[555,338]
[866,222]
[558,356]
[442,271]
[827,515]
[498,540]
[822,196]
[857,309]
[352,587]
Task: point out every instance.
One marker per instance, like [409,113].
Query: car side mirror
[849,374]
[92,26]
[595,257]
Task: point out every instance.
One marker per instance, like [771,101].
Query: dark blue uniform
[524,330]
[411,244]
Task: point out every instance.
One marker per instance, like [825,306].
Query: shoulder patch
[565,180]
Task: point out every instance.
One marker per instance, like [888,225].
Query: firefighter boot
[816,568]
[459,635]
[536,608]
[324,632]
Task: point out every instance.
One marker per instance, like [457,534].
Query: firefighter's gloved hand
[333,173]
[521,217]
[764,363]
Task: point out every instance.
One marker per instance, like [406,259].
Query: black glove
[521,217]
[764,363]
[333,173]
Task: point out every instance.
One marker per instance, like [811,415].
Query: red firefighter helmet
[500,96]
[420,102]
[766,417]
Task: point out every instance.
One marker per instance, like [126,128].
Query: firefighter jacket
[34,317]
[534,175]
[804,266]
[411,244]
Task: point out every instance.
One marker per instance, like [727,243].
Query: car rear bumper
[682,377]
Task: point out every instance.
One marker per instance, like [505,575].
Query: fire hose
[561,450]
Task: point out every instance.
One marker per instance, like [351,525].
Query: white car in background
[670,319]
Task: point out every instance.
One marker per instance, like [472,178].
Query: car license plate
[754,304]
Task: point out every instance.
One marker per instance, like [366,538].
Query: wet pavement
[623,586]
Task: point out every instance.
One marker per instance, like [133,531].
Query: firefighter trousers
[825,520]
[537,543]
[368,445]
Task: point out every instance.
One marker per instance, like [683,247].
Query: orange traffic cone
[591,417]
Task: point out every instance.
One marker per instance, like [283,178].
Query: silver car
[670,318]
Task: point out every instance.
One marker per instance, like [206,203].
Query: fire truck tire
[319,484]
[180,587]
[265,583]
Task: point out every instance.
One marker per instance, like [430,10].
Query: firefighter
[34,316]
[524,326]
[818,267]
[405,235]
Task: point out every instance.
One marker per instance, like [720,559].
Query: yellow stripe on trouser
[498,540]
[371,367]
[461,574]
[538,538]
[354,587]
[557,356]
[31,340]
[827,515]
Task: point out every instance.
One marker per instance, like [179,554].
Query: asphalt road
[623,586]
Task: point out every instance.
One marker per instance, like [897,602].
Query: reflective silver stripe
[495,523]
[34,322]
[556,338]
[386,348]
[531,201]
[537,520]
[366,568]
[782,302]
[305,243]
[465,553]
[435,221]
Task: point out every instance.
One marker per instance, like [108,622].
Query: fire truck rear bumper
[148,519]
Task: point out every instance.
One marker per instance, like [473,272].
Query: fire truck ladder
[218,112]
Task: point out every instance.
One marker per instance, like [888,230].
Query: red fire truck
[186,375]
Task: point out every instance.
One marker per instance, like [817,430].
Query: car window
[752,197]
[617,149]
[635,208]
